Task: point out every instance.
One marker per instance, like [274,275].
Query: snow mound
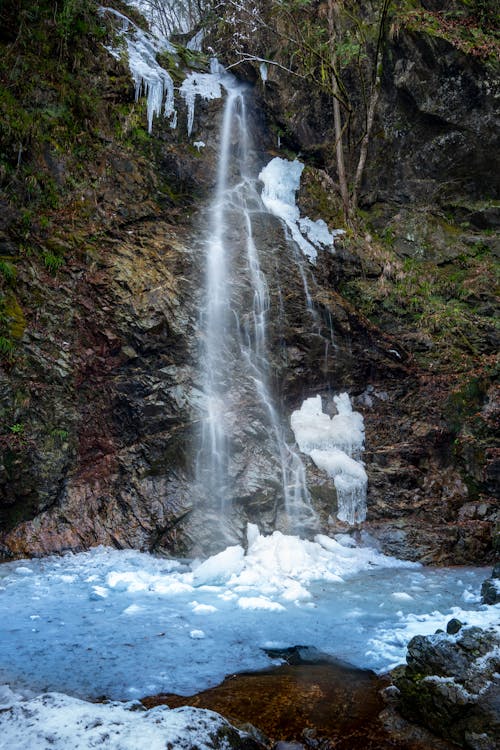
[60,722]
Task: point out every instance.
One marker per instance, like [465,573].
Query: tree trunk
[337,119]
[363,149]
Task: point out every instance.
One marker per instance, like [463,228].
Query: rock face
[452,686]
[101,396]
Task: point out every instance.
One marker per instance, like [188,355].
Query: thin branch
[254,58]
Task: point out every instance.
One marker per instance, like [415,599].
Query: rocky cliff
[101,278]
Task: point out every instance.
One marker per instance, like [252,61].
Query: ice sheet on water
[60,722]
[160,628]
[281,179]
[334,444]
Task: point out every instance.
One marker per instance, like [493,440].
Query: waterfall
[235,367]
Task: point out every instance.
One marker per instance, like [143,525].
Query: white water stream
[234,322]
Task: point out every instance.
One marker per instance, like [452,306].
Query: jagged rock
[451,685]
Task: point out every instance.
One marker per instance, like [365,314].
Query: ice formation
[281,179]
[154,82]
[149,77]
[205,85]
[334,444]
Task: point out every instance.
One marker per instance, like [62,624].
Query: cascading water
[234,361]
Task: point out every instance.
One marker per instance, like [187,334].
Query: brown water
[332,701]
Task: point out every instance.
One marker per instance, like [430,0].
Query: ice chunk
[134,609]
[219,568]
[260,602]
[315,430]
[197,634]
[203,609]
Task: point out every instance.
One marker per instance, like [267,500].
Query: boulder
[451,685]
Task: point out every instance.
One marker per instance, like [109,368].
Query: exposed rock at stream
[452,686]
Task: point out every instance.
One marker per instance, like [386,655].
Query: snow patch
[62,722]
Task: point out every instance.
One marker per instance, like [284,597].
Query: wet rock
[490,590]
[453,626]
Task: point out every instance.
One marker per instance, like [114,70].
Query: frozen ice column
[335,445]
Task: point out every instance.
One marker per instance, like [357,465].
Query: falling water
[235,365]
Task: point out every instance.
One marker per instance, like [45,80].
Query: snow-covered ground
[60,722]
[125,624]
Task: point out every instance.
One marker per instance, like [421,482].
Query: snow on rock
[451,684]
[149,77]
[334,444]
[281,179]
[388,644]
[60,722]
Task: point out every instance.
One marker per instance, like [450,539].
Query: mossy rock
[17,321]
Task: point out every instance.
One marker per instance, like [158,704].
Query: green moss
[465,401]
[15,316]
